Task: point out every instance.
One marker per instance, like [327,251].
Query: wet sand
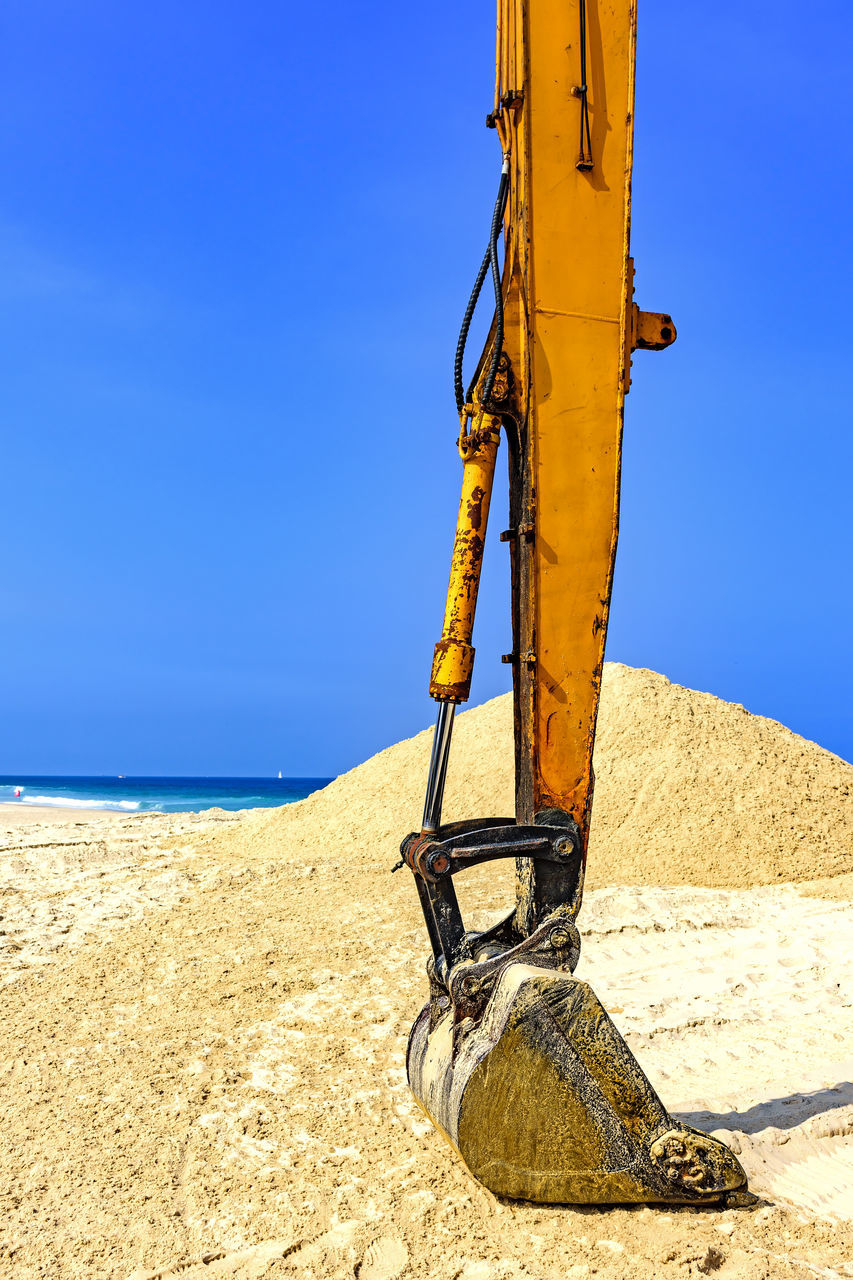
[24,815]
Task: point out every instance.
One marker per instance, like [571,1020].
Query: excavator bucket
[517,1062]
[544,1101]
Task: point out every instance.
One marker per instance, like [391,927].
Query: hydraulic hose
[490,260]
[497,346]
[458,385]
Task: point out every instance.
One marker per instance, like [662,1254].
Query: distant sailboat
[279,773]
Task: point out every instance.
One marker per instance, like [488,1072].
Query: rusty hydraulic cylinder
[453,661]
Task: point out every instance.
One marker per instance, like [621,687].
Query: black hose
[458,385]
[490,259]
[497,346]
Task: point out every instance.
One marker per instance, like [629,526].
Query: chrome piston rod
[438,765]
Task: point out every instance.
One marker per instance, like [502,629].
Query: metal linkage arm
[434,860]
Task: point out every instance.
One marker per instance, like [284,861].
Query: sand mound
[204,1037]
[689,790]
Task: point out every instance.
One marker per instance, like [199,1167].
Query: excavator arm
[513,1058]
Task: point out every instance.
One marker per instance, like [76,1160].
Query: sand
[15,814]
[205,1017]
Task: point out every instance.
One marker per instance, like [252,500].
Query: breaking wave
[67,802]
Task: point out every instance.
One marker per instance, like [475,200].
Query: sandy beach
[24,815]
[205,1016]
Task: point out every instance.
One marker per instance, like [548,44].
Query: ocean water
[155,795]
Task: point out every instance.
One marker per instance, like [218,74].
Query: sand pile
[203,1058]
[689,790]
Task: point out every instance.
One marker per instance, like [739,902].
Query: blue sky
[235,241]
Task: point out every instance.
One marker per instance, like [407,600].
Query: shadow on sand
[778,1113]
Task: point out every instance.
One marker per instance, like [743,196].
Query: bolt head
[437,863]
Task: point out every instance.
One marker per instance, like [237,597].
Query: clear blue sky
[235,240]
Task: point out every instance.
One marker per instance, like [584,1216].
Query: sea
[155,795]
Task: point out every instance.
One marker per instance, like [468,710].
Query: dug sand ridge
[206,1018]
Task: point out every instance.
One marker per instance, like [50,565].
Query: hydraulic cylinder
[453,661]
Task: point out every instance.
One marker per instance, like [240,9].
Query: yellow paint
[453,661]
[568,288]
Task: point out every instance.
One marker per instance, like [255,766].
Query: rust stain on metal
[475,507]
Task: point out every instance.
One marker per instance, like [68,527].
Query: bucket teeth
[544,1101]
